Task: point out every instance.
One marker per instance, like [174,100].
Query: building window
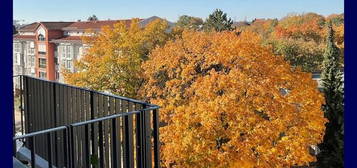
[42,62]
[67,56]
[42,75]
[16,58]
[32,44]
[30,48]
[57,75]
[66,51]
[68,64]
[69,52]
[41,37]
[31,51]
[17,47]
[31,60]
[42,49]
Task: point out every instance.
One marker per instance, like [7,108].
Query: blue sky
[72,10]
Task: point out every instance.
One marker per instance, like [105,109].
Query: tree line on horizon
[300,38]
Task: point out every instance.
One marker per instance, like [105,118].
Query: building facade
[44,49]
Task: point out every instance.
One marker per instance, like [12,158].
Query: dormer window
[41,37]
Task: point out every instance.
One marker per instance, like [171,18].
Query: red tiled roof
[259,20]
[49,25]
[68,39]
[30,27]
[94,24]
[55,25]
[239,24]
[81,25]
[24,37]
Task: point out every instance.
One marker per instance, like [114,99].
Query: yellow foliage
[114,57]
[228,101]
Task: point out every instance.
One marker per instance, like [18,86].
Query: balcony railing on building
[65,126]
[42,52]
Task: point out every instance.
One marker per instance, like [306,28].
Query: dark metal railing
[75,127]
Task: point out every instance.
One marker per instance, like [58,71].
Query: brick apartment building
[42,49]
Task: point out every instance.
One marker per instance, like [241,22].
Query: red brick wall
[50,53]
[51,61]
[53,34]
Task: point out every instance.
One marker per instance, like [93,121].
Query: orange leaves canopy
[308,26]
[227,100]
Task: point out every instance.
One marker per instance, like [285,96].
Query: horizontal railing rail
[72,127]
[98,92]
[82,123]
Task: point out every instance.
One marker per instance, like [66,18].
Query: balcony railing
[67,126]
[42,52]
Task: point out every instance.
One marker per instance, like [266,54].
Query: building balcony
[59,125]
[41,53]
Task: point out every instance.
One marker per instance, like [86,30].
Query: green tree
[190,22]
[92,18]
[332,148]
[307,55]
[337,19]
[218,21]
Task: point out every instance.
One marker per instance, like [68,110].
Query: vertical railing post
[54,95]
[93,137]
[156,123]
[128,139]
[119,108]
[68,145]
[71,145]
[147,137]
[86,146]
[21,101]
[26,103]
[49,149]
[13,123]
[101,147]
[33,151]
[114,143]
[66,148]
[139,140]
[13,135]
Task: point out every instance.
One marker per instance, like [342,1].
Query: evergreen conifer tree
[332,148]
[218,21]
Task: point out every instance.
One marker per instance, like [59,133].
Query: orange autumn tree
[309,26]
[227,101]
[114,57]
[263,27]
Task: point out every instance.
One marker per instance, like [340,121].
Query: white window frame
[42,48]
[30,60]
[31,48]
[67,56]
[17,47]
[41,72]
[16,58]
[40,60]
